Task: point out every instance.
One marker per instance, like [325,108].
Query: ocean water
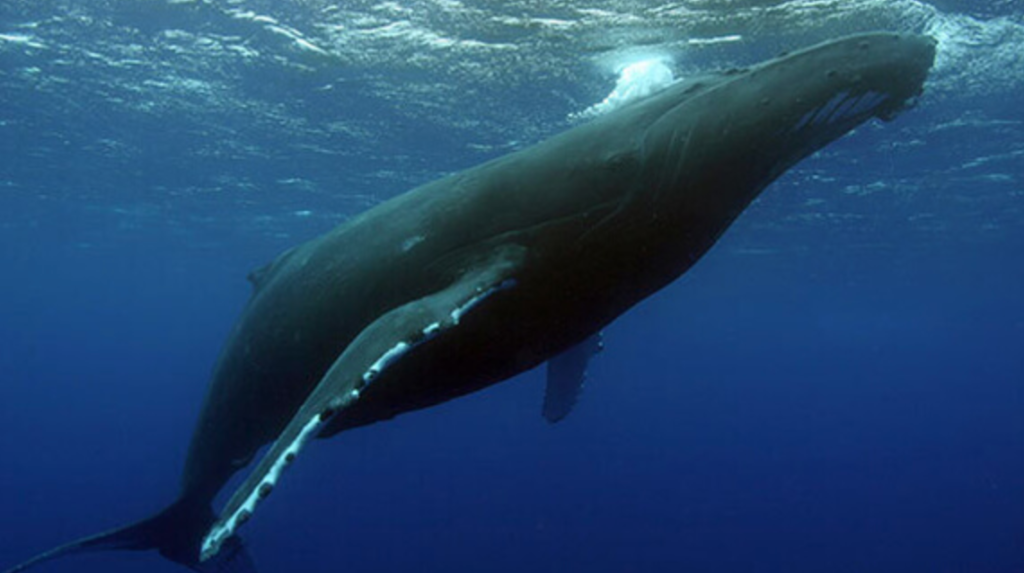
[837,386]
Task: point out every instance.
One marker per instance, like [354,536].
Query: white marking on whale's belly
[393,354]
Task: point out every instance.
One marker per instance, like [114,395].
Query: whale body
[471,279]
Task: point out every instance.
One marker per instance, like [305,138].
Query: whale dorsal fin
[259,276]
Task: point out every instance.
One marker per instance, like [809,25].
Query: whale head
[713,145]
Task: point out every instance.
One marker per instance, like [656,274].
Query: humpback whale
[471,279]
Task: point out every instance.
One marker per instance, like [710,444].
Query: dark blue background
[816,395]
[765,414]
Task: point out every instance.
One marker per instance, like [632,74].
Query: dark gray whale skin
[473,278]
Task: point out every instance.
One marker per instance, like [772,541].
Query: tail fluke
[175,532]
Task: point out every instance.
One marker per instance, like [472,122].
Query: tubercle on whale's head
[747,130]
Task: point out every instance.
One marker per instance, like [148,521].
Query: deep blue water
[837,386]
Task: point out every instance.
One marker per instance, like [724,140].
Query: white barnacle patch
[394,353]
[432,329]
[227,526]
[461,311]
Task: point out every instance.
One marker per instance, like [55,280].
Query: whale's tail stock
[175,532]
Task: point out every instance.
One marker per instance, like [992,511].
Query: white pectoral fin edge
[380,345]
[262,481]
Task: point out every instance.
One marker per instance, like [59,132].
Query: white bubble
[636,81]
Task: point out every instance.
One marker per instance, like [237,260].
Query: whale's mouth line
[906,105]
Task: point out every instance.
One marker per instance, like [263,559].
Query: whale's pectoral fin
[379,345]
[566,374]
